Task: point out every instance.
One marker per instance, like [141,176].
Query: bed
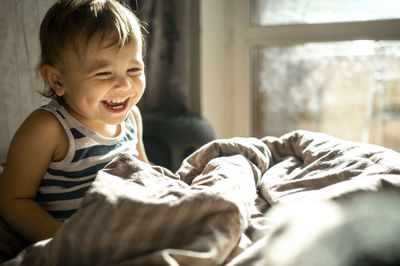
[304,198]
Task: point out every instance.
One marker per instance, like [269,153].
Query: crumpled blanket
[315,164]
[210,212]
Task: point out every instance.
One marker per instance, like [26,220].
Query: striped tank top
[65,182]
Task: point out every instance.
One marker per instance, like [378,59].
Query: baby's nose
[123,83]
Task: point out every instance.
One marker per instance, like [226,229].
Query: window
[330,66]
[333,84]
[322,86]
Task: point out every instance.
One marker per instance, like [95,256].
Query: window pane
[273,12]
[326,87]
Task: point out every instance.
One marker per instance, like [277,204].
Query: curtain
[19,54]
[172,55]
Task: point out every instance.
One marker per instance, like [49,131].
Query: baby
[92,63]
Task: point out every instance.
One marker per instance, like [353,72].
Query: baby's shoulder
[43,120]
[43,127]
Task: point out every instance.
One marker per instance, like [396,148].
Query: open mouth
[116,105]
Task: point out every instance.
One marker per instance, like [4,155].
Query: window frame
[237,103]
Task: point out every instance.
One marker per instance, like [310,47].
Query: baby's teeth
[119,101]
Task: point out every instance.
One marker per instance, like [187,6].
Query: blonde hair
[67,21]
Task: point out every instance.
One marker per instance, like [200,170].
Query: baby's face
[103,83]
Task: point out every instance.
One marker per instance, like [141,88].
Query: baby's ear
[52,77]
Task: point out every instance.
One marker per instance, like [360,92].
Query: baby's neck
[109,131]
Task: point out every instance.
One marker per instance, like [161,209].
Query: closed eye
[102,74]
[134,69]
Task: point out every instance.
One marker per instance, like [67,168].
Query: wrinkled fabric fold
[212,210]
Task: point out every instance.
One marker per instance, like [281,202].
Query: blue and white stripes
[66,182]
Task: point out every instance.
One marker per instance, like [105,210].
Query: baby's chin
[117,121]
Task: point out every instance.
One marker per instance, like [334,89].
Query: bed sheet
[216,209]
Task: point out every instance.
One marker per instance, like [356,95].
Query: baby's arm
[39,140]
[140,146]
